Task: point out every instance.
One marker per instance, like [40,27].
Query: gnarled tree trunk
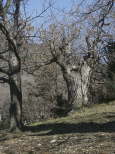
[15,77]
[15,93]
[82,83]
[16,103]
[77,80]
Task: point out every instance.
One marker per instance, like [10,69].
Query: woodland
[57,76]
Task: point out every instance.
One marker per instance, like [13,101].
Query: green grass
[100,113]
[88,130]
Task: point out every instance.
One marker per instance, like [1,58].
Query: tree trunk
[78,81]
[15,78]
[15,92]
[82,80]
[70,87]
[16,102]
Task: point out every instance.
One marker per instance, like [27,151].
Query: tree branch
[10,40]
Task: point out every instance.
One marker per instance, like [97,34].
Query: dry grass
[87,131]
[96,113]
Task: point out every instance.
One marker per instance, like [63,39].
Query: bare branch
[45,10]
[10,40]
[37,66]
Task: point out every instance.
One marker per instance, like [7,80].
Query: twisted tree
[11,32]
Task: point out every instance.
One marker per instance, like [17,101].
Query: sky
[35,7]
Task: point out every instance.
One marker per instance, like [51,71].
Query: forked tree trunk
[78,81]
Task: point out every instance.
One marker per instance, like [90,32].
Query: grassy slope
[97,113]
[90,130]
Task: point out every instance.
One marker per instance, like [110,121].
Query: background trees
[66,60]
[76,53]
[109,51]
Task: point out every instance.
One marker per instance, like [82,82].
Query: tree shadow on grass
[67,128]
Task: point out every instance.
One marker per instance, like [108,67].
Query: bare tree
[98,33]
[59,40]
[78,72]
[13,59]
[13,30]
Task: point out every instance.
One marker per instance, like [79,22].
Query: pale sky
[35,7]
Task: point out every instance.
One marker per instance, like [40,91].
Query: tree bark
[15,77]
[77,82]
[15,90]
[16,102]
[82,79]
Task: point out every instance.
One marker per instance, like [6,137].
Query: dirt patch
[79,143]
[90,131]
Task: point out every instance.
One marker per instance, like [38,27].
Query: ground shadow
[66,128]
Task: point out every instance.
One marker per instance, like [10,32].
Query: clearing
[88,131]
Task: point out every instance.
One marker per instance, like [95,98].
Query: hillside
[90,130]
